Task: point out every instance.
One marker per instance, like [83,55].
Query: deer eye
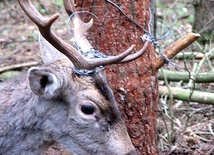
[88,109]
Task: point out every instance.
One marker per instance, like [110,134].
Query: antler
[80,27]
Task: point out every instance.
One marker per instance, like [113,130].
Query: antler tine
[69,6]
[79,27]
[136,55]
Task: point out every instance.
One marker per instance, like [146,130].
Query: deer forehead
[61,65]
[86,85]
[85,88]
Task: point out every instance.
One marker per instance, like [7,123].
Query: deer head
[79,112]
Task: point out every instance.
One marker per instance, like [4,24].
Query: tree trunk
[134,85]
[204,19]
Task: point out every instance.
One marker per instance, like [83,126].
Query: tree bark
[204,19]
[134,84]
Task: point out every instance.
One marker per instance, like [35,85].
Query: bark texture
[204,19]
[134,85]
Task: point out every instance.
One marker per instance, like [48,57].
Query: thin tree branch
[3,69]
[174,49]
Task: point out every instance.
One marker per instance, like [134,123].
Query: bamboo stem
[184,95]
[205,77]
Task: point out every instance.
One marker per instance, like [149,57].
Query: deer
[57,103]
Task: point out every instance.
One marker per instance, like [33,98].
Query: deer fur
[43,107]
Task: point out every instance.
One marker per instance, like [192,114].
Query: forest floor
[189,132]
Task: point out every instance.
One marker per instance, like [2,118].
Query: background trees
[204,20]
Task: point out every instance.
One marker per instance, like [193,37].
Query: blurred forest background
[186,85]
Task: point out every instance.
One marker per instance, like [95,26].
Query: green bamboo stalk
[184,95]
[206,77]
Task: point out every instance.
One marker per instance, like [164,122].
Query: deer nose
[132,152]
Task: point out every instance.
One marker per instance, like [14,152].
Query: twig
[202,133]
[210,129]
[175,48]
[3,69]
[202,138]
[193,74]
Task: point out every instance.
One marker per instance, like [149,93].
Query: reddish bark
[134,85]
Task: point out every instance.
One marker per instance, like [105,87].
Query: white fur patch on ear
[50,88]
[43,81]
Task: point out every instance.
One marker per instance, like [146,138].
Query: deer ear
[43,81]
[48,52]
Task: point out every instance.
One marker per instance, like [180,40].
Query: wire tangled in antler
[90,54]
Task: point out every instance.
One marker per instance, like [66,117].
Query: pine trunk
[134,85]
